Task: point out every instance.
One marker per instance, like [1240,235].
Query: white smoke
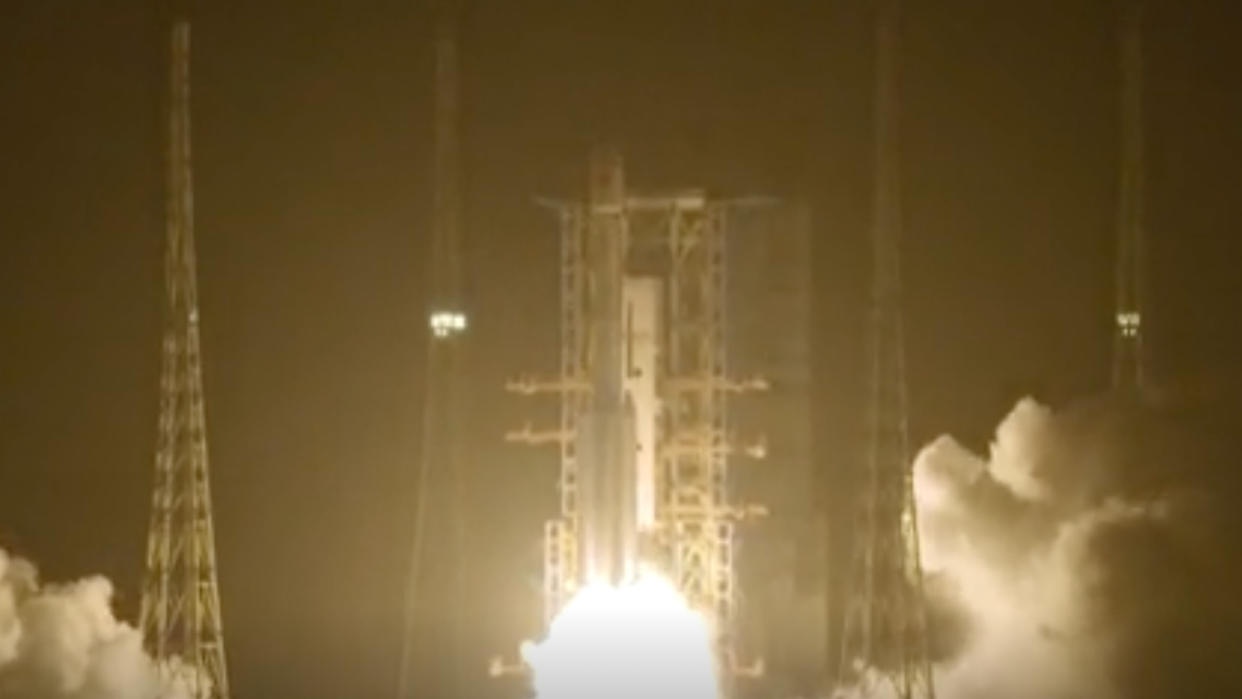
[1020,442]
[1039,545]
[63,642]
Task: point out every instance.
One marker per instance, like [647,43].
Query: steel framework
[432,655]
[180,615]
[680,239]
[885,631]
[781,594]
[1129,370]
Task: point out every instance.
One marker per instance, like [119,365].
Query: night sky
[312,167]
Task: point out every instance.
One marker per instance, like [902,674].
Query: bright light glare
[636,641]
[445,323]
[1129,322]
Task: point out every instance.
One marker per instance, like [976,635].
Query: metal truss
[180,615]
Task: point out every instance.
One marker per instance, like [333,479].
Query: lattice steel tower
[885,631]
[1129,370]
[180,615]
[433,651]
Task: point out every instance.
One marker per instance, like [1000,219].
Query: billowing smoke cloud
[1094,554]
[63,642]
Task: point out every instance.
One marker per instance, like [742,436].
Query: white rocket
[616,437]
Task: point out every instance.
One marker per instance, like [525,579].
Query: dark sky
[311,142]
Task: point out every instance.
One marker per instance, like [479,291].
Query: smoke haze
[1090,555]
[63,642]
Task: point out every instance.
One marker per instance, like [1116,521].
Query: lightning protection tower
[433,650]
[180,615]
[885,631]
[1129,371]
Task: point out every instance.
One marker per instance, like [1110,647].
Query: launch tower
[643,438]
[885,630]
[180,616]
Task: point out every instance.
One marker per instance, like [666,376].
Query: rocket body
[609,535]
[616,432]
[618,468]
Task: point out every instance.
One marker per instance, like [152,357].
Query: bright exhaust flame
[636,641]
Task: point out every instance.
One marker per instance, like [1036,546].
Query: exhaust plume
[63,642]
[1093,554]
[639,640]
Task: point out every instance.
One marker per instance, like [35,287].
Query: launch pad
[644,437]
